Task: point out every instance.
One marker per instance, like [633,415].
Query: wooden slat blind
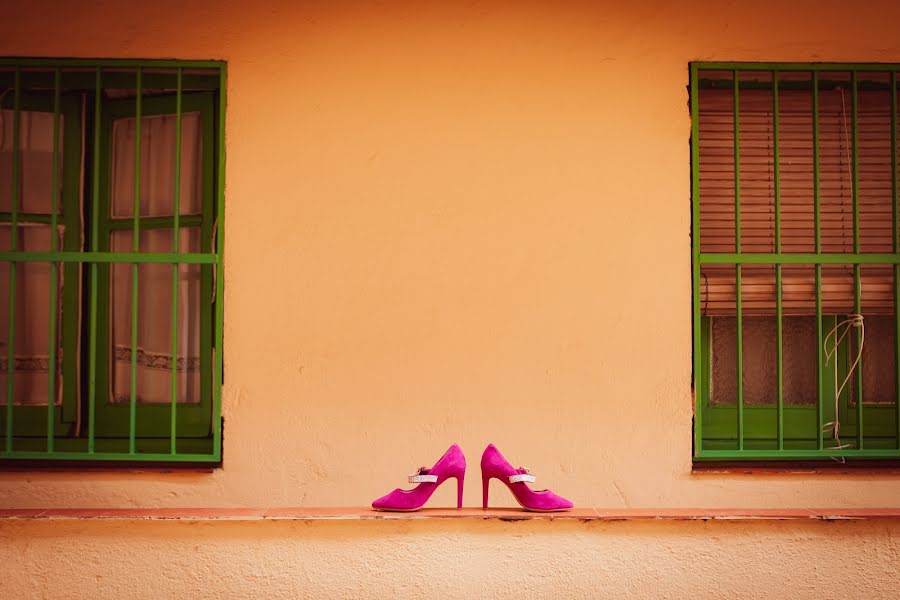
[757,194]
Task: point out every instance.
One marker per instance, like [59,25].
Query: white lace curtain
[32,295]
[154,306]
[154,310]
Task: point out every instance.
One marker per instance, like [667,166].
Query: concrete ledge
[503,514]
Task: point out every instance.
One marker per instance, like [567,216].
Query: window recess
[111,260]
[795,261]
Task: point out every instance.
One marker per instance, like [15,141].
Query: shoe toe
[383,502]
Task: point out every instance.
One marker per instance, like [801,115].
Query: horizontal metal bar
[109,62]
[793,454]
[186,258]
[797,66]
[824,84]
[798,259]
[101,456]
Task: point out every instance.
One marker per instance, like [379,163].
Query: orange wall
[455,222]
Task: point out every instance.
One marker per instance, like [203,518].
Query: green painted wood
[794,66]
[54,208]
[84,80]
[218,374]
[14,246]
[697,323]
[118,63]
[193,420]
[796,454]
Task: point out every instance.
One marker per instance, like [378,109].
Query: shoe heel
[460,480]
[485,486]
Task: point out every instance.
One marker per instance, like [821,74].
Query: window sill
[500,514]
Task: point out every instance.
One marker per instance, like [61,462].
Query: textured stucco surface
[455,222]
[474,559]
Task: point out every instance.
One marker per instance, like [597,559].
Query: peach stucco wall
[454,221]
[462,559]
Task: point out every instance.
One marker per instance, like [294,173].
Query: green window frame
[781,429]
[80,422]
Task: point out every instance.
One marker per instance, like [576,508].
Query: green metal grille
[80,421]
[808,221]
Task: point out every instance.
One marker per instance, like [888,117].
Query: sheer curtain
[154,309]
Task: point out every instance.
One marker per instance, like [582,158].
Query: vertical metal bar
[95,236]
[695,258]
[220,269]
[855,158]
[175,239]
[895,194]
[54,207]
[14,246]
[857,303]
[857,300]
[737,167]
[135,247]
[820,367]
[817,198]
[817,217]
[779,326]
[738,250]
[740,357]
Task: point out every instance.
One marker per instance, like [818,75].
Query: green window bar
[794,235]
[93,109]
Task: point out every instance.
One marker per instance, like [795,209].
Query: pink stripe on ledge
[581,514]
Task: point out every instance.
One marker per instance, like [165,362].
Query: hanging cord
[840,331]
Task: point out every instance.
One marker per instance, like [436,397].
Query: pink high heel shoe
[494,465]
[451,465]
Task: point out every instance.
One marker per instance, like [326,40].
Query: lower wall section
[448,559]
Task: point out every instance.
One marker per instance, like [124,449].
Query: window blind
[756,145]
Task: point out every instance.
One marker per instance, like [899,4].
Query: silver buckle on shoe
[420,477]
[526,476]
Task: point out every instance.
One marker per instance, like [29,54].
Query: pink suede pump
[494,465]
[451,465]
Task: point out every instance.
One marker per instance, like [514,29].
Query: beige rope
[840,331]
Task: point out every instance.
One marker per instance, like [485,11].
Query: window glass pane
[879,374]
